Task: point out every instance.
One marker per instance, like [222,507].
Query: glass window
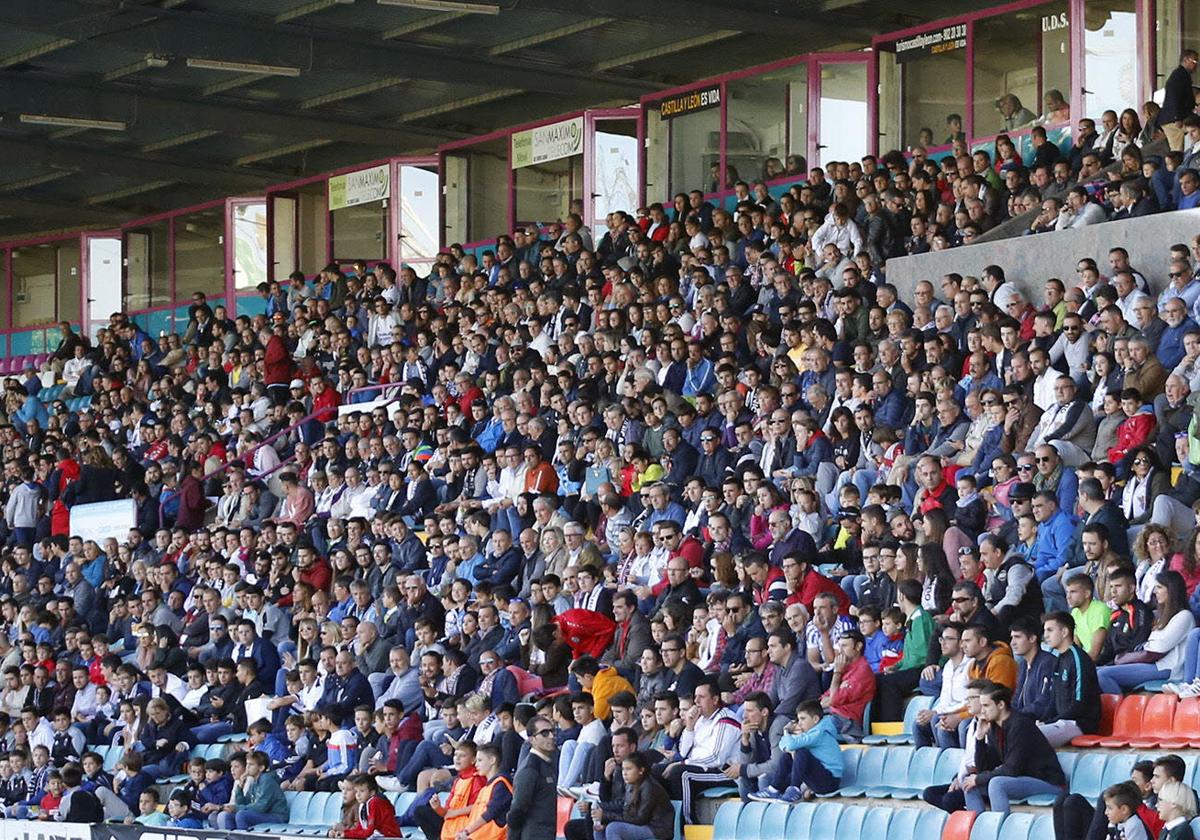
[283,236]
[767,124]
[1022,69]
[842,105]
[68,281]
[932,87]
[658,156]
[360,232]
[147,280]
[250,245]
[200,253]
[1110,56]
[477,191]
[314,228]
[614,169]
[418,215]
[544,191]
[696,153]
[34,270]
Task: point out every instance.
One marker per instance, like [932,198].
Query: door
[841,128]
[417,208]
[612,167]
[246,254]
[283,227]
[101,279]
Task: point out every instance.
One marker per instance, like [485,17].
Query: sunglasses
[1024,467]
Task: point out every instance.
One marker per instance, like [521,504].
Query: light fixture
[445,6]
[72,122]
[243,67]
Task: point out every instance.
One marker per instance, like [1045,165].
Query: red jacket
[278,368]
[855,691]
[814,584]
[325,404]
[375,816]
[1135,431]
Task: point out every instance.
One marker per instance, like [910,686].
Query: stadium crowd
[629,513]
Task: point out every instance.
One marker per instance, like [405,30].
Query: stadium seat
[987,826]
[1117,768]
[1018,827]
[1043,826]
[774,822]
[958,826]
[850,823]
[725,824]
[850,761]
[799,822]
[565,805]
[929,824]
[825,820]
[920,773]
[1066,760]
[947,766]
[895,772]
[875,826]
[1108,711]
[316,809]
[1157,721]
[1187,722]
[915,705]
[749,824]
[333,810]
[1087,778]
[1196,827]
[1126,723]
[903,825]
[869,772]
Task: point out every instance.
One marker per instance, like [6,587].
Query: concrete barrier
[1028,261]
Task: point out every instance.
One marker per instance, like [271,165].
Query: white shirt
[954,686]
[1043,390]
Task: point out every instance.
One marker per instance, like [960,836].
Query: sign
[47,830]
[100,520]
[690,102]
[946,39]
[547,142]
[1053,22]
[361,187]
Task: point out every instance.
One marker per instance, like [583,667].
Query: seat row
[1141,721]
[16,364]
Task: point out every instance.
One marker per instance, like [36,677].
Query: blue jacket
[1035,686]
[818,451]
[1170,345]
[891,409]
[1052,544]
[821,741]
[989,449]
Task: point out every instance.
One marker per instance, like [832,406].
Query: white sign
[361,187]
[547,142]
[101,520]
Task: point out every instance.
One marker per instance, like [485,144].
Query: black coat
[1017,748]
[534,811]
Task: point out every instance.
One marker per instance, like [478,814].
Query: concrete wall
[1028,261]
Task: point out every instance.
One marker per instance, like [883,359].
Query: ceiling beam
[36,180]
[233,83]
[309,9]
[28,92]
[140,189]
[204,34]
[62,211]
[178,140]
[281,151]
[549,35]
[34,52]
[350,93]
[88,159]
[666,49]
[420,25]
[456,104]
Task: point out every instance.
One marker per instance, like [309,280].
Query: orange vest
[460,797]
[489,830]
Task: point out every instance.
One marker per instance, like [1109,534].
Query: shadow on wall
[1029,261]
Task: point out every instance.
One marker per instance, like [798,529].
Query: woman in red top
[375,813]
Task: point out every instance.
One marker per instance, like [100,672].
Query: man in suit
[264,654]
[491,634]
[346,688]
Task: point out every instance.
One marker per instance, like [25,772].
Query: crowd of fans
[635,513]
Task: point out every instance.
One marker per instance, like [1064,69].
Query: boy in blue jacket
[217,789]
[812,759]
[180,812]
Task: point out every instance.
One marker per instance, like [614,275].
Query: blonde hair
[1181,796]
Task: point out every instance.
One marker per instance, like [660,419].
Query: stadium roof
[115,109]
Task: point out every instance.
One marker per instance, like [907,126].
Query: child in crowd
[376,816]
[1121,802]
[893,631]
[1177,807]
[131,780]
[182,815]
[217,788]
[970,514]
[869,626]
[812,760]
[149,810]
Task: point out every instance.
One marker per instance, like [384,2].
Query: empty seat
[920,773]
[725,824]
[869,772]
[850,823]
[333,810]
[1018,826]
[774,822]
[1157,721]
[1087,779]
[909,724]
[1118,768]
[903,825]
[1186,726]
[850,760]
[987,826]
[895,772]
[958,826]
[749,824]
[799,822]
[1043,826]
[929,824]
[875,826]
[947,766]
[1126,723]
[825,820]
[1066,760]
[316,808]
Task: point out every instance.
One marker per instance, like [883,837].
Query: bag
[1137,657]
[588,632]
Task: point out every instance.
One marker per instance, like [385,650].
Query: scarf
[1049,482]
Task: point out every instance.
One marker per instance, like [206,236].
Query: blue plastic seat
[875,826]
[316,808]
[1043,826]
[799,822]
[725,824]
[1118,768]
[1017,827]
[930,824]
[1196,827]
[987,826]
[333,810]
[825,820]
[920,772]
[1087,778]
[909,726]
[1066,760]
[868,774]
[404,801]
[947,766]
[904,823]
[749,824]
[895,773]
[774,823]
[850,823]
[850,760]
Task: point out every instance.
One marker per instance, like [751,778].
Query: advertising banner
[361,187]
[547,142]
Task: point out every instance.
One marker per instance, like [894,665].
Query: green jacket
[918,635]
[264,796]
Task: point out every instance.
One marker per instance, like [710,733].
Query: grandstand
[804,441]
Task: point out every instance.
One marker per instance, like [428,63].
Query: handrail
[247,457]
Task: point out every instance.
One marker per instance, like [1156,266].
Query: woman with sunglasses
[1147,479]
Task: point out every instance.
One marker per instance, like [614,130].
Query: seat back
[875,826]
[917,704]
[1088,777]
[297,807]
[1117,768]
[930,824]
[725,824]
[774,822]
[316,808]
[1159,717]
[1108,711]
[870,767]
[958,826]
[1043,826]
[333,810]
[800,819]
[920,771]
[987,826]
[850,761]
[1066,760]
[825,821]
[749,824]
[850,823]
[896,764]
[1128,720]
[1019,826]
[947,766]
[1187,716]
[904,823]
